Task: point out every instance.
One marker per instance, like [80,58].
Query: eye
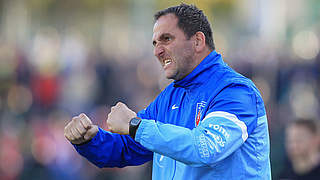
[167,38]
[154,43]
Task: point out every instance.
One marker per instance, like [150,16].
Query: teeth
[167,61]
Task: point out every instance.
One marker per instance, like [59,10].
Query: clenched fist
[119,117]
[80,129]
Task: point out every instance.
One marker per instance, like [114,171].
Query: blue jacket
[210,125]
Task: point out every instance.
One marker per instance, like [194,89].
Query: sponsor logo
[174,107]
[203,147]
[217,139]
[211,144]
[199,108]
[220,129]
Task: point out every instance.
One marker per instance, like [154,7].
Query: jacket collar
[201,73]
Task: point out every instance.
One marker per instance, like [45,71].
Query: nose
[158,51]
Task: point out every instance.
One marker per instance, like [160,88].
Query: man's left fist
[119,117]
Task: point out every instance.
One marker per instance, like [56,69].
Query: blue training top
[211,124]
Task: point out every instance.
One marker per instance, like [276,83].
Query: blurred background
[60,58]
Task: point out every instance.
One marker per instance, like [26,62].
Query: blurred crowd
[58,59]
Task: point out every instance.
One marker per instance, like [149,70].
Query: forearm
[202,146]
[113,150]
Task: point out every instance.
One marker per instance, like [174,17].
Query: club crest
[199,109]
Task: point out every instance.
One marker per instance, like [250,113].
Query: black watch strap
[133,126]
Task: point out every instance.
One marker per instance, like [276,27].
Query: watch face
[135,121]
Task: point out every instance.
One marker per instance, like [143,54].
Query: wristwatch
[133,126]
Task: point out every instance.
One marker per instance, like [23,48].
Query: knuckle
[84,124]
[83,117]
[66,129]
[120,104]
[76,118]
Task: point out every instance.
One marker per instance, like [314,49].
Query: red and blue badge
[199,111]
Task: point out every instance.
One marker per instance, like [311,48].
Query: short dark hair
[311,124]
[190,20]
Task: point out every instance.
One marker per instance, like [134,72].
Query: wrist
[133,126]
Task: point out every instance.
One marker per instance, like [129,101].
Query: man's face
[299,141]
[174,52]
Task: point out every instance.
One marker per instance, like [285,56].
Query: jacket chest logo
[199,111]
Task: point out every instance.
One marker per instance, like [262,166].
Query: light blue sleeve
[220,133]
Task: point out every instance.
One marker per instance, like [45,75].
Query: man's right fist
[80,129]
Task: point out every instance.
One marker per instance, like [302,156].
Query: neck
[199,57]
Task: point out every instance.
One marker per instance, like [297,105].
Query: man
[210,123]
[302,145]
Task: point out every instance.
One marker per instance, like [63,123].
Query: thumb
[91,132]
[85,120]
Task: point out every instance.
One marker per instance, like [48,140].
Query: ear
[199,41]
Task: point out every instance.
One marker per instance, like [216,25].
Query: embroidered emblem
[199,109]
